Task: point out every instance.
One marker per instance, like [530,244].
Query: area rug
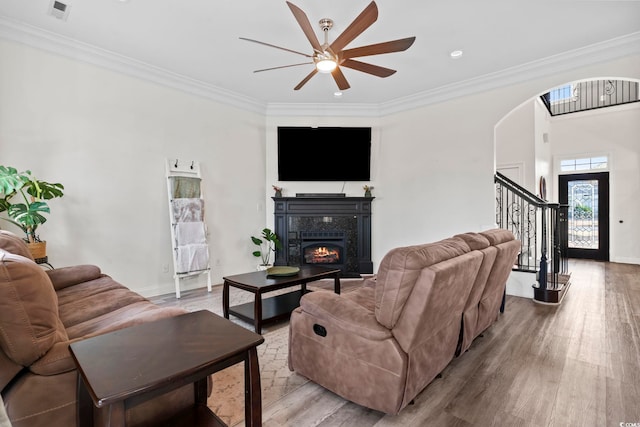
[227,396]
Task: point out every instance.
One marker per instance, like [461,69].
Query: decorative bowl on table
[282,270]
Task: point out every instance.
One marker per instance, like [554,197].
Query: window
[563,93]
[584,164]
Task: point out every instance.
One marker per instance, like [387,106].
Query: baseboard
[626,260]
[186,284]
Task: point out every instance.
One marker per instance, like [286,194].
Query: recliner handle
[320,330]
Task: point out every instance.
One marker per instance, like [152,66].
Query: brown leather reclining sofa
[382,344]
[41,312]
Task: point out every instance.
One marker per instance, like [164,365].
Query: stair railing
[538,225]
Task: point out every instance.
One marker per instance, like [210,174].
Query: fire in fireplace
[323,247]
[322,254]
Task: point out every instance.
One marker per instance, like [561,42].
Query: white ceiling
[197,41]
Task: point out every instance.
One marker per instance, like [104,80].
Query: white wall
[433,173]
[290,188]
[106,136]
[613,131]
[515,143]
[542,148]
[430,180]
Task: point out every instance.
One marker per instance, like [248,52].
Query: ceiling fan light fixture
[330,58]
[326,65]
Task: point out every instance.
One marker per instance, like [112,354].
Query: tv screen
[324,153]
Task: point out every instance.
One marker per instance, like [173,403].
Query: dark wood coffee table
[279,307]
[124,368]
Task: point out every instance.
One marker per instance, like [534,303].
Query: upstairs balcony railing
[589,95]
[541,228]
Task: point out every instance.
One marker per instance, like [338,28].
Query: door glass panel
[583,214]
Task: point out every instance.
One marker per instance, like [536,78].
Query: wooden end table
[124,368]
[275,308]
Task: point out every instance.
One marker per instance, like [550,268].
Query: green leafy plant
[28,212]
[267,244]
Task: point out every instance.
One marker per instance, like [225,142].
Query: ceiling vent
[59,10]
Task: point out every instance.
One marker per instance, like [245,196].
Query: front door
[587,222]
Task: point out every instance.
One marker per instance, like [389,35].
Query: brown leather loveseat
[382,344]
[41,312]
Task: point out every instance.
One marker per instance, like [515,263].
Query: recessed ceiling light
[456,54]
[337,94]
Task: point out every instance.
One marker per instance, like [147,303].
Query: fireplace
[325,230]
[323,248]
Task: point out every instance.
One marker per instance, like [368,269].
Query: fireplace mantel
[351,215]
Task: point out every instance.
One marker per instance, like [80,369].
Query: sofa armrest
[344,313]
[70,276]
[55,361]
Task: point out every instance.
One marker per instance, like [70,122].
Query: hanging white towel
[192,258]
[187,210]
[189,233]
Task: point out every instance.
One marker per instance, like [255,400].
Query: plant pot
[38,249]
[263,267]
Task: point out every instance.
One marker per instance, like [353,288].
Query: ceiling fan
[328,58]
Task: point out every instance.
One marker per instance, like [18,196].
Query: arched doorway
[538,142]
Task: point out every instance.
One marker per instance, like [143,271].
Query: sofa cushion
[507,254]
[498,235]
[74,275]
[399,270]
[476,241]
[57,360]
[14,244]
[90,300]
[29,320]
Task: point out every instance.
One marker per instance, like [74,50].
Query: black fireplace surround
[325,230]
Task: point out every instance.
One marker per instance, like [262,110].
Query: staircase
[541,228]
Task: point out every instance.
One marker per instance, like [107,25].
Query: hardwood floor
[577,364]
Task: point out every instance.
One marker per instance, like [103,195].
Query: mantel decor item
[268,242]
[367,190]
[278,190]
[23,197]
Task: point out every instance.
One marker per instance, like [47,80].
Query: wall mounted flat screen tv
[324,153]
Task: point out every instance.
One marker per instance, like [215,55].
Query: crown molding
[42,39]
[64,46]
[588,55]
[322,110]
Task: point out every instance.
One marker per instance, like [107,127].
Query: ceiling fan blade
[306,79]
[282,66]
[340,79]
[375,70]
[379,48]
[304,23]
[368,16]
[277,47]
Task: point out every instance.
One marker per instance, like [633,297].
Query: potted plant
[23,197]
[268,243]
